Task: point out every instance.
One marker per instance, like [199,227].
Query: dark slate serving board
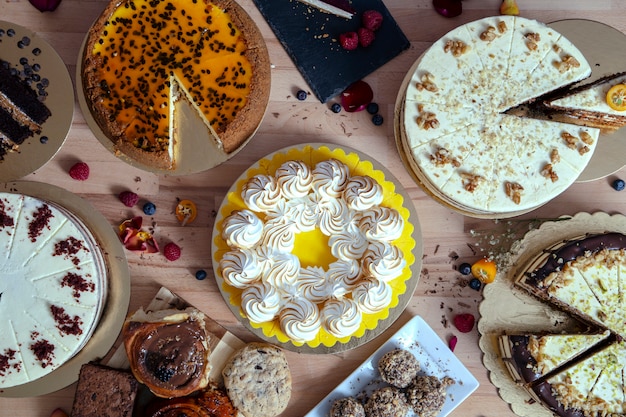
[310,37]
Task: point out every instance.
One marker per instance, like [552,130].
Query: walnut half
[471,181]
[513,190]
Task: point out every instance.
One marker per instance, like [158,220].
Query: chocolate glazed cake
[579,375]
[22,111]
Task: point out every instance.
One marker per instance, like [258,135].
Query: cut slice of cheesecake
[341,8]
[530,357]
[587,104]
[591,387]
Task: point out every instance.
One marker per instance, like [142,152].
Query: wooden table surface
[446,234]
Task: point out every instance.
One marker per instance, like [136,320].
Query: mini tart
[168,351]
[215,72]
[212,402]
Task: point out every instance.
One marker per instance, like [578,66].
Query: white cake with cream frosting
[52,287]
[463,145]
[344,212]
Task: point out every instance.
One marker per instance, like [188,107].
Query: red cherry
[357,96]
[448,8]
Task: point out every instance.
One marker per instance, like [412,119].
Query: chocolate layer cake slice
[21,111]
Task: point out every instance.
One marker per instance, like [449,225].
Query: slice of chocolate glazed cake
[22,112]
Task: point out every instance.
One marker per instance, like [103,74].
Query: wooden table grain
[447,236]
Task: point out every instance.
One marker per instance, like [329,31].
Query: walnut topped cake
[52,287]
[461,143]
[152,67]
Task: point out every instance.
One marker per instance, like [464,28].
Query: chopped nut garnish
[554,156]
[443,157]
[532,39]
[586,137]
[566,63]
[489,34]
[569,139]
[427,83]
[548,172]
[457,48]
[427,120]
[557,48]
[514,191]
[470,181]
[502,26]
[583,150]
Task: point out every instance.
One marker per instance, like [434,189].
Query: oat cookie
[386,402]
[258,380]
[398,367]
[427,394]
[347,407]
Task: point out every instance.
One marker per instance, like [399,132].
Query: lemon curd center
[312,249]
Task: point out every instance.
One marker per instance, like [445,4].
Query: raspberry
[171,251]
[79,171]
[349,41]
[464,322]
[366,37]
[372,20]
[128,198]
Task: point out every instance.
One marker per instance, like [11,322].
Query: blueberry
[149,208]
[372,108]
[25,41]
[335,108]
[301,95]
[43,139]
[11,32]
[200,274]
[164,374]
[465,268]
[377,119]
[475,284]
[619,185]
[36,51]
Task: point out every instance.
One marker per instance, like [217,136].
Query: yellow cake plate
[409,243]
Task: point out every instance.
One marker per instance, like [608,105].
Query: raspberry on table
[349,41]
[464,322]
[171,251]
[128,198]
[372,19]
[79,171]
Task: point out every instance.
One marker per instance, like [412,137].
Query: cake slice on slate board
[311,40]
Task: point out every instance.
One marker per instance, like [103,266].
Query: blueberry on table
[465,268]
[335,108]
[301,95]
[619,184]
[377,119]
[200,274]
[475,284]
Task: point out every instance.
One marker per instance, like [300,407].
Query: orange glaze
[145,43]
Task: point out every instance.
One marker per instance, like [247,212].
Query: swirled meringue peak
[260,302]
[240,267]
[261,193]
[383,261]
[349,243]
[381,223]
[294,179]
[284,271]
[341,317]
[301,211]
[313,284]
[300,320]
[372,295]
[333,216]
[279,235]
[330,178]
[362,192]
[242,229]
[344,273]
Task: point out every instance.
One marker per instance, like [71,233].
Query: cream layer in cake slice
[529,357]
[591,387]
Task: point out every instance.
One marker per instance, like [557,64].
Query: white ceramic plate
[434,356]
